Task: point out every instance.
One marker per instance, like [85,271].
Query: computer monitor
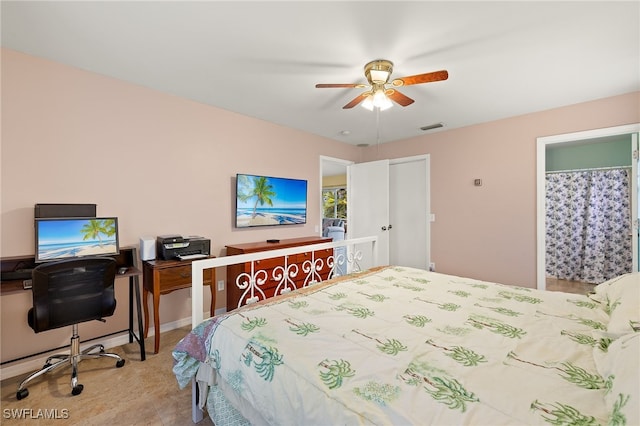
[66,238]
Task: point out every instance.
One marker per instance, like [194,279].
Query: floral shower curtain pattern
[588,217]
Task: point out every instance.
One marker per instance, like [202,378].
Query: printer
[184,248]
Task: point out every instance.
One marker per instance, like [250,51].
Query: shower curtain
[588,225]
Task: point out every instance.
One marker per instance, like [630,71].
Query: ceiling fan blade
[421,78]
[325,86]
[361,97]
[398,97]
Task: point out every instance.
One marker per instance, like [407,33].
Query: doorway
[544,145]
[390,199]
[334,191]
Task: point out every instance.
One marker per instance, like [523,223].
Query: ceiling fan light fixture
[377,100]
[387,104]
[378,71]
[368,103]
[381,101]
[379,76]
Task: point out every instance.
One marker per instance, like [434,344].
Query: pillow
[620,298]
[619,368]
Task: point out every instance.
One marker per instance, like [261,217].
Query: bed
[398,345]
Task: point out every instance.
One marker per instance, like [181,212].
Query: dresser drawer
[324,253]
[179,277]
[301,257]
[320,254]
[264,264]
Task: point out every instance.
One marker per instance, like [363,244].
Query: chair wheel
[22,394]
[77,390]
[120,363]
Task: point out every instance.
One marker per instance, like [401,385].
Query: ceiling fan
[379,95]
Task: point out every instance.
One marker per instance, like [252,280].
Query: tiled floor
[139,393]
[578,287]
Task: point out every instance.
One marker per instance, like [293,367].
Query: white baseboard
[36,362]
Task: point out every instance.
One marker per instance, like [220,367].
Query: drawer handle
[185,275]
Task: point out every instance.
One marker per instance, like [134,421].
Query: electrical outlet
[432,266]
[220,285]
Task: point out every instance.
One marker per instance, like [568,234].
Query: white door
[409,212]
[368,206]
[390,199]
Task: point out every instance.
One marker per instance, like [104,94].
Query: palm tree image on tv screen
[264,201]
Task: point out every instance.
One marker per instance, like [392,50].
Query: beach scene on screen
[59,239]
[265,200]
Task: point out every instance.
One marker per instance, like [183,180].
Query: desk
[126,258]
[162,277]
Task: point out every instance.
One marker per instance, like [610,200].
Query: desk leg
[145,306]
[135,282]
[156,321]
[131,310]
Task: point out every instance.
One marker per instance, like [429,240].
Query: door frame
[337,161]
[541,146]
[386,234]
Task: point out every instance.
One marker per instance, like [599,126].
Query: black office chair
[67,293]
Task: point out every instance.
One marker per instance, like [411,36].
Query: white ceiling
[263,59]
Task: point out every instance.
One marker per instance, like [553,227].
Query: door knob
[384,228]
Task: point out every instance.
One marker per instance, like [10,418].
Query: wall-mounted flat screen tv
[65,238]
[268,201]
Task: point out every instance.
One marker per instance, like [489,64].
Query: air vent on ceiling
[432,126]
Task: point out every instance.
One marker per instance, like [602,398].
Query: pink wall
[489,232]
[163,164]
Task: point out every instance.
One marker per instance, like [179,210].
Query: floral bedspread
[406,346]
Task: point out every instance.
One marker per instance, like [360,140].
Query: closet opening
[587,212]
